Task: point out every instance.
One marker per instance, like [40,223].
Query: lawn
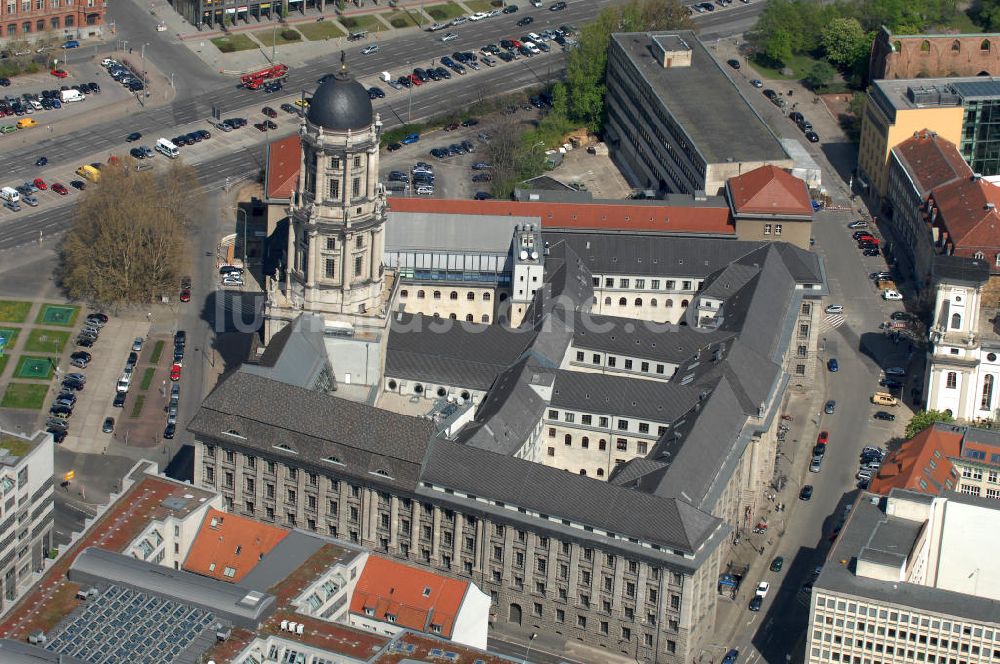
[798,64]
[137,406]
[63,315]
[234,42]
[445,12]
[34,367]
[147,378]
[320,30]
[46,341]
[24,395]
[405,19]
[157,351]
[14,311]
[362,23]
[10,335]
[3,362]
[479,5]
[264,37]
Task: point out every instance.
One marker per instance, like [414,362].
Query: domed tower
[336,230]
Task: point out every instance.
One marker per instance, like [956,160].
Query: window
[437,295]
[453,295]
[356,187]
[983,46]
[623,425]
[767,229]
[334,187]
[621,444]
[568,440]
[330,268]
[987,400]
[622,302]
[951,381]
[358,266]
[623,283]
[357,161]
[956,321]
[777,229]
[404,293]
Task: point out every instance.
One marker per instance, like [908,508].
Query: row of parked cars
[420,179]
[124,75]
[62,406]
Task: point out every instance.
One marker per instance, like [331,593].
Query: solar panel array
[124,625]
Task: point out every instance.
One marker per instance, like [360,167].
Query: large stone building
[52,20]
[934,55]
[676,121]
[907,580]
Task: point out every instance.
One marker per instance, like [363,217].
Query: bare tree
[129,234]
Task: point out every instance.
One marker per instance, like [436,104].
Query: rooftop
[931,161]
[968,212]
[922,462]
[623,397]
[228,546]
[769,190]
[704,100]
[283,162]
[14,447]
[710,217]
[416,598]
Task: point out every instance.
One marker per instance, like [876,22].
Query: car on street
[812,137]
[901,316]
[895,371]
[527,20]
[449,36]
[409,139]
[860,223]
[185,295]
[109,425]
[734,63]
[41,161]
[756,602]
[70,43]
[80,359]
[830,407]
[806,493]
[59,73]
[119,400]
[510,9]
[557,6]
[777,564]
[168,431]
[133,137]
[756,83]
[834,309]
[175,371]
[823,438]
[882,415]
[816,464]
[368,50]
[731,656]
[891,294]
[832,365]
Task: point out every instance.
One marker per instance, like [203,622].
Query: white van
[10,195]
[67,96]
[164,146]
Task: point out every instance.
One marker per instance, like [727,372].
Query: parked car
[109,425]
[119,400]
[168,431]
[806,493]
[832,365]
[891,294]
[777,564]
[830,407]
[834,309]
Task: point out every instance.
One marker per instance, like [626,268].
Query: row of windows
[39,26]
[486,297]
[603,421]
[627,364]
[39,6]
[623,302]
[640,284]
[621,444]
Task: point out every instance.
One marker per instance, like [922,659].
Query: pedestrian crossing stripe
[831,321]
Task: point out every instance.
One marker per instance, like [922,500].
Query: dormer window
[369,611]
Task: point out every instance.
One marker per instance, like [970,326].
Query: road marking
[832,321]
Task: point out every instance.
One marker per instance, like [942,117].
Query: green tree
[819,75]
[845,42]
[923,419]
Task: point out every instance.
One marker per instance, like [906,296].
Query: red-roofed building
[964,220]
[392,596]
[769,203]
[284,159]
[228,546]
[923,463]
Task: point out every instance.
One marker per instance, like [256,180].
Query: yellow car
[24,123]
[302,103]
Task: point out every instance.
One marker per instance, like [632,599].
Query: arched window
[984,45]
[979,256]
[652,302]
[486,318]
[404,293]
[897,46]
[956,321]
[453,316]
[638,301]
[956,46]
[54,23]
[437,315]
[622,302]
[568,440]
[600,472]
[602,444]
[684,303]
[486,297]
[40,25]
[437,295]
[987,403]
[454,295]
[441,391]
[585,442]
[951,382]
[470,296]
[68,21]
[607,300]
[465,395]
[469,318]
[583,472]
[26,28]
[925,46]
[668,303]
[418,388]
[420,295]
[391,384]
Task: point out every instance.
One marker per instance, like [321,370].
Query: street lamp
[527,650]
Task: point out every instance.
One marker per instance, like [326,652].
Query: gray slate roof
[272,416]
[508,414]
[435,232]
[561,494]
[296,354]
[291,552]
[638,338]
[441,350]
[620,396]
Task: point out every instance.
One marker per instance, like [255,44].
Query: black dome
[340,103]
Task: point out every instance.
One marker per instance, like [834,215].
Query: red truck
[255,80]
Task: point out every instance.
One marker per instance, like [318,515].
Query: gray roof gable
[638,338]
[296,354]
[510,411]
[622,397]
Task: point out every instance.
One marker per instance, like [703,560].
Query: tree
[925,418]
[845,42]
[513,158]
[819,75]
[128,235]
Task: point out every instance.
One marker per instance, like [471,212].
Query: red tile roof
[967,211]
[769,190]
[283,161]
[921,464]
[230,541]
[586,216]
[417,598]
[931,161]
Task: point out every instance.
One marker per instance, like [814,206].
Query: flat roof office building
[676,121]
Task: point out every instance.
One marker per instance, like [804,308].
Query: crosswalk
[832,321]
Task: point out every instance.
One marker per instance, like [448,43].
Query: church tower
[337,216]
